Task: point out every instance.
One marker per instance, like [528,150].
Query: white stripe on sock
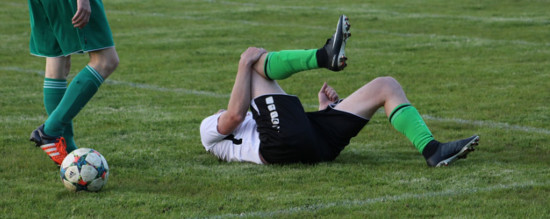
[55,85]
[59,83]
[95,73]
[50,87]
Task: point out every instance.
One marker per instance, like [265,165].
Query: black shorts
[290,135]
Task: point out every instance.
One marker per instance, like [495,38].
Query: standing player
[279,131]
[58,30]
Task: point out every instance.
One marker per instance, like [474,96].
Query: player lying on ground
[278,131]
[59,29]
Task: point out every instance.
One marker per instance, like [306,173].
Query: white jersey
[243,147]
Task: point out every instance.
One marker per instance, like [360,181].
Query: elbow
[228,122]
[235,118]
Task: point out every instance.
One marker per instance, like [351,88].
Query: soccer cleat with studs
[335,46]
[449,152]
[55,147]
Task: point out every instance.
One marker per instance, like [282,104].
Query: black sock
[430,149]
[322,58]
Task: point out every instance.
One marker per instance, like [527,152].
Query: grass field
[470,67]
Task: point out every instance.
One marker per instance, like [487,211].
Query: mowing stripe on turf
[364,202]
[365,9]
[135,85]
[491,124]
[499,125]
[372,31]
[163,89]
[361,9]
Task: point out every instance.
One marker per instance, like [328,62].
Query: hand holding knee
[251,56]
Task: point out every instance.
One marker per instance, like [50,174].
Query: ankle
[322,57]
[430,149]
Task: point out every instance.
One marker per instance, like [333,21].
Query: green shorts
[53,34]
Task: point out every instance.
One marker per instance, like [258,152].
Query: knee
[387,84]
[110,63]
[387,81]
[106,64]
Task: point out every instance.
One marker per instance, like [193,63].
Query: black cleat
[336,44]
[447,153]
[55,147]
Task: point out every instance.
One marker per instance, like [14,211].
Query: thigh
[363,102]
[97,32]
[278,111]
[261,86]
[284,130]
[53,33]
[335,129]
[43,40]
[382,91]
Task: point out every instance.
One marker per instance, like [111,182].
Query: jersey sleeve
[209,131]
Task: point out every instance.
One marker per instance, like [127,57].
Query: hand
[327,95]
[251,55]
[82,15]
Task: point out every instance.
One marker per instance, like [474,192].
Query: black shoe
[336,44]
[448,152]
[55,147]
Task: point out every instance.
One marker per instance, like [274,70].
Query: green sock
[406,119]
[54,89]
[80,91]
[283,64]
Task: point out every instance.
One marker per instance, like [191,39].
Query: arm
[240,95]
[82,15]
[327,95]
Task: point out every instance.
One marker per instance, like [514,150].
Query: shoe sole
[341,35]
[469,147]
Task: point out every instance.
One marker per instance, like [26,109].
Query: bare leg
[81,89]
[104,61]
[260,86]
[382,91]
[58,67]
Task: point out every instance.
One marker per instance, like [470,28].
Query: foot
[55,147]
[336,44]
[446,153]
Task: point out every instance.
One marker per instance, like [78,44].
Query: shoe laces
[61,146]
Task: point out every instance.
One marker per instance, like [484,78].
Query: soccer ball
[84,169]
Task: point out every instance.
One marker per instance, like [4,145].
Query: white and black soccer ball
[84,169]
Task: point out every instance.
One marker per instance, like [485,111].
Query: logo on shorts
[272,112]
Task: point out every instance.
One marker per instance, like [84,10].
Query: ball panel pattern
[84,169]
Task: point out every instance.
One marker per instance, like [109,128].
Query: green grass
[468,66]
